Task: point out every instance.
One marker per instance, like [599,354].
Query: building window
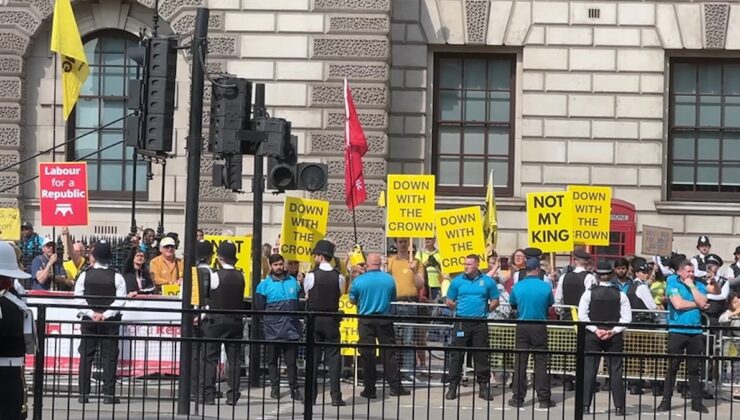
[102,101]
[473,122]
[704,138]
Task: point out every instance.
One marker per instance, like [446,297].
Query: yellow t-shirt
[165,273]
[71,269]
[399,269]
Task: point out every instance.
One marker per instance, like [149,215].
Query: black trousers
[326,330]
[108,352]
[290,353]
[531,337]
[612,345]
[11,393]
[692,344]
[470,334]
[216,327]
[382,330]
[198,363]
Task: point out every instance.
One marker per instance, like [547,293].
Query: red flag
[355,147]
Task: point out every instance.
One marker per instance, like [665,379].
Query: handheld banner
[459,234]
[410,204]
[243,256]
[10,224]
[550,221]
[63,193]
[592,210]
[304,223]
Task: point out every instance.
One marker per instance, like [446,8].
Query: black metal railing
[147,371]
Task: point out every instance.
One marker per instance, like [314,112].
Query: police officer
[15,322]
[638,292]
[204,252]
[687,297]
[473,295]
[735,267]
[604,302]
[279,292]
[100,319]
[532,298]
[700,260]
[531,252]
[373,292]
[572,285]
[621,278]
[227,293]
[717,302]
[324,287]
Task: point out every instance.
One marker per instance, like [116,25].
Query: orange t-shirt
[399,269]
[164,272]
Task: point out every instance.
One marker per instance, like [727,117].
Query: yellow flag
[381,199]
[490,225]
[66,41]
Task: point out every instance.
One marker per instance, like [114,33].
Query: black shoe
[338,402]
[232,400]
[636,390]
[111,400]
[485,393]
[369,394]
[619,411]
[516,403]
[547,404]
[296,395]
[400,391]
[586,410]
[451,393]
[568,386]
[665,405]
[699,408]
[83,400]
[275,394]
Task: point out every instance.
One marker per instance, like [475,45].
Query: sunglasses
[169,247]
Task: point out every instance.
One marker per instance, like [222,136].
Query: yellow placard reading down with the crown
[592,210]
[410,204]
[550,221]
[459,234]
[304,223]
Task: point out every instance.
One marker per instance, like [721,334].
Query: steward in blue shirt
[687,298]
[471,294]
[532,298]
[279,292]
[373,293]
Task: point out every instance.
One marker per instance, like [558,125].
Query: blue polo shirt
[373,291]
[532,297]
[472,295]
[675,287]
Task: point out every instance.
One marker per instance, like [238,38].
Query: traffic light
[159,84]
[229,174]
[312,176]
[231,102]
[281,171]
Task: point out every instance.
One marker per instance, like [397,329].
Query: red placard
[63,195]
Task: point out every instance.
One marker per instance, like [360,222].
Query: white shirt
[695,263]
[120,292]
[308,282]
[215,281]
[723,293]
[663,268]
[625,311]
[589,281]
[643,292]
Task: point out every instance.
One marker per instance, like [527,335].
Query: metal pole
[257,191]
[580,366]
[194,146]
[38,368]
[160,227]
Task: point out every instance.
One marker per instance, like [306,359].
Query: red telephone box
[623,229]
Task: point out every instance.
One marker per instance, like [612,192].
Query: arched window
[103,101]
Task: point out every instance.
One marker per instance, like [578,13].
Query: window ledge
[697,207]
[502,203]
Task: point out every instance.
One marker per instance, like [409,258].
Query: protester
[621,277]
[77,256]
[279,292]
[30,240]
[324,287]
[699,261]
[532,298]
[226,293]
[473,295]
[138,278]
[373,293]
[429,257]
[731,318]
[200,235]
[531,252]
[100,316]
[686,299]
[47,269]
[147,240]
[15,322]
[604,302]
[166,268]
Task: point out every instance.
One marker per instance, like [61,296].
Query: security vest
[100,282]
[635,301]
[605,305]
[523,273]
[573,287]
[11,328]
[717,307]
[204,285]
[700,262]
[324,295]
[229,294]
[735,269]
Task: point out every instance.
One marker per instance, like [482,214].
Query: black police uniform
[99,280]
[324,297]
[12,352]
[573,288]
[228,295]
[604,303]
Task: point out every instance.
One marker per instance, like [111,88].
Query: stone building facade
[638,95]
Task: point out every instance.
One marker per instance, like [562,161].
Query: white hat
[9,263]
[166,241]
[47,241]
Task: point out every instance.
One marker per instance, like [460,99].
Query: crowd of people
[526,286]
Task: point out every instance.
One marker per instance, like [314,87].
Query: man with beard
[621,277]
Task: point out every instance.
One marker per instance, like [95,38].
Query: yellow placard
[243,256]
[195,294]
[349,327]
[592,210]
[459,234]
[304,223]
[171,289]
[10,224]
[410,204]
[550,221]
